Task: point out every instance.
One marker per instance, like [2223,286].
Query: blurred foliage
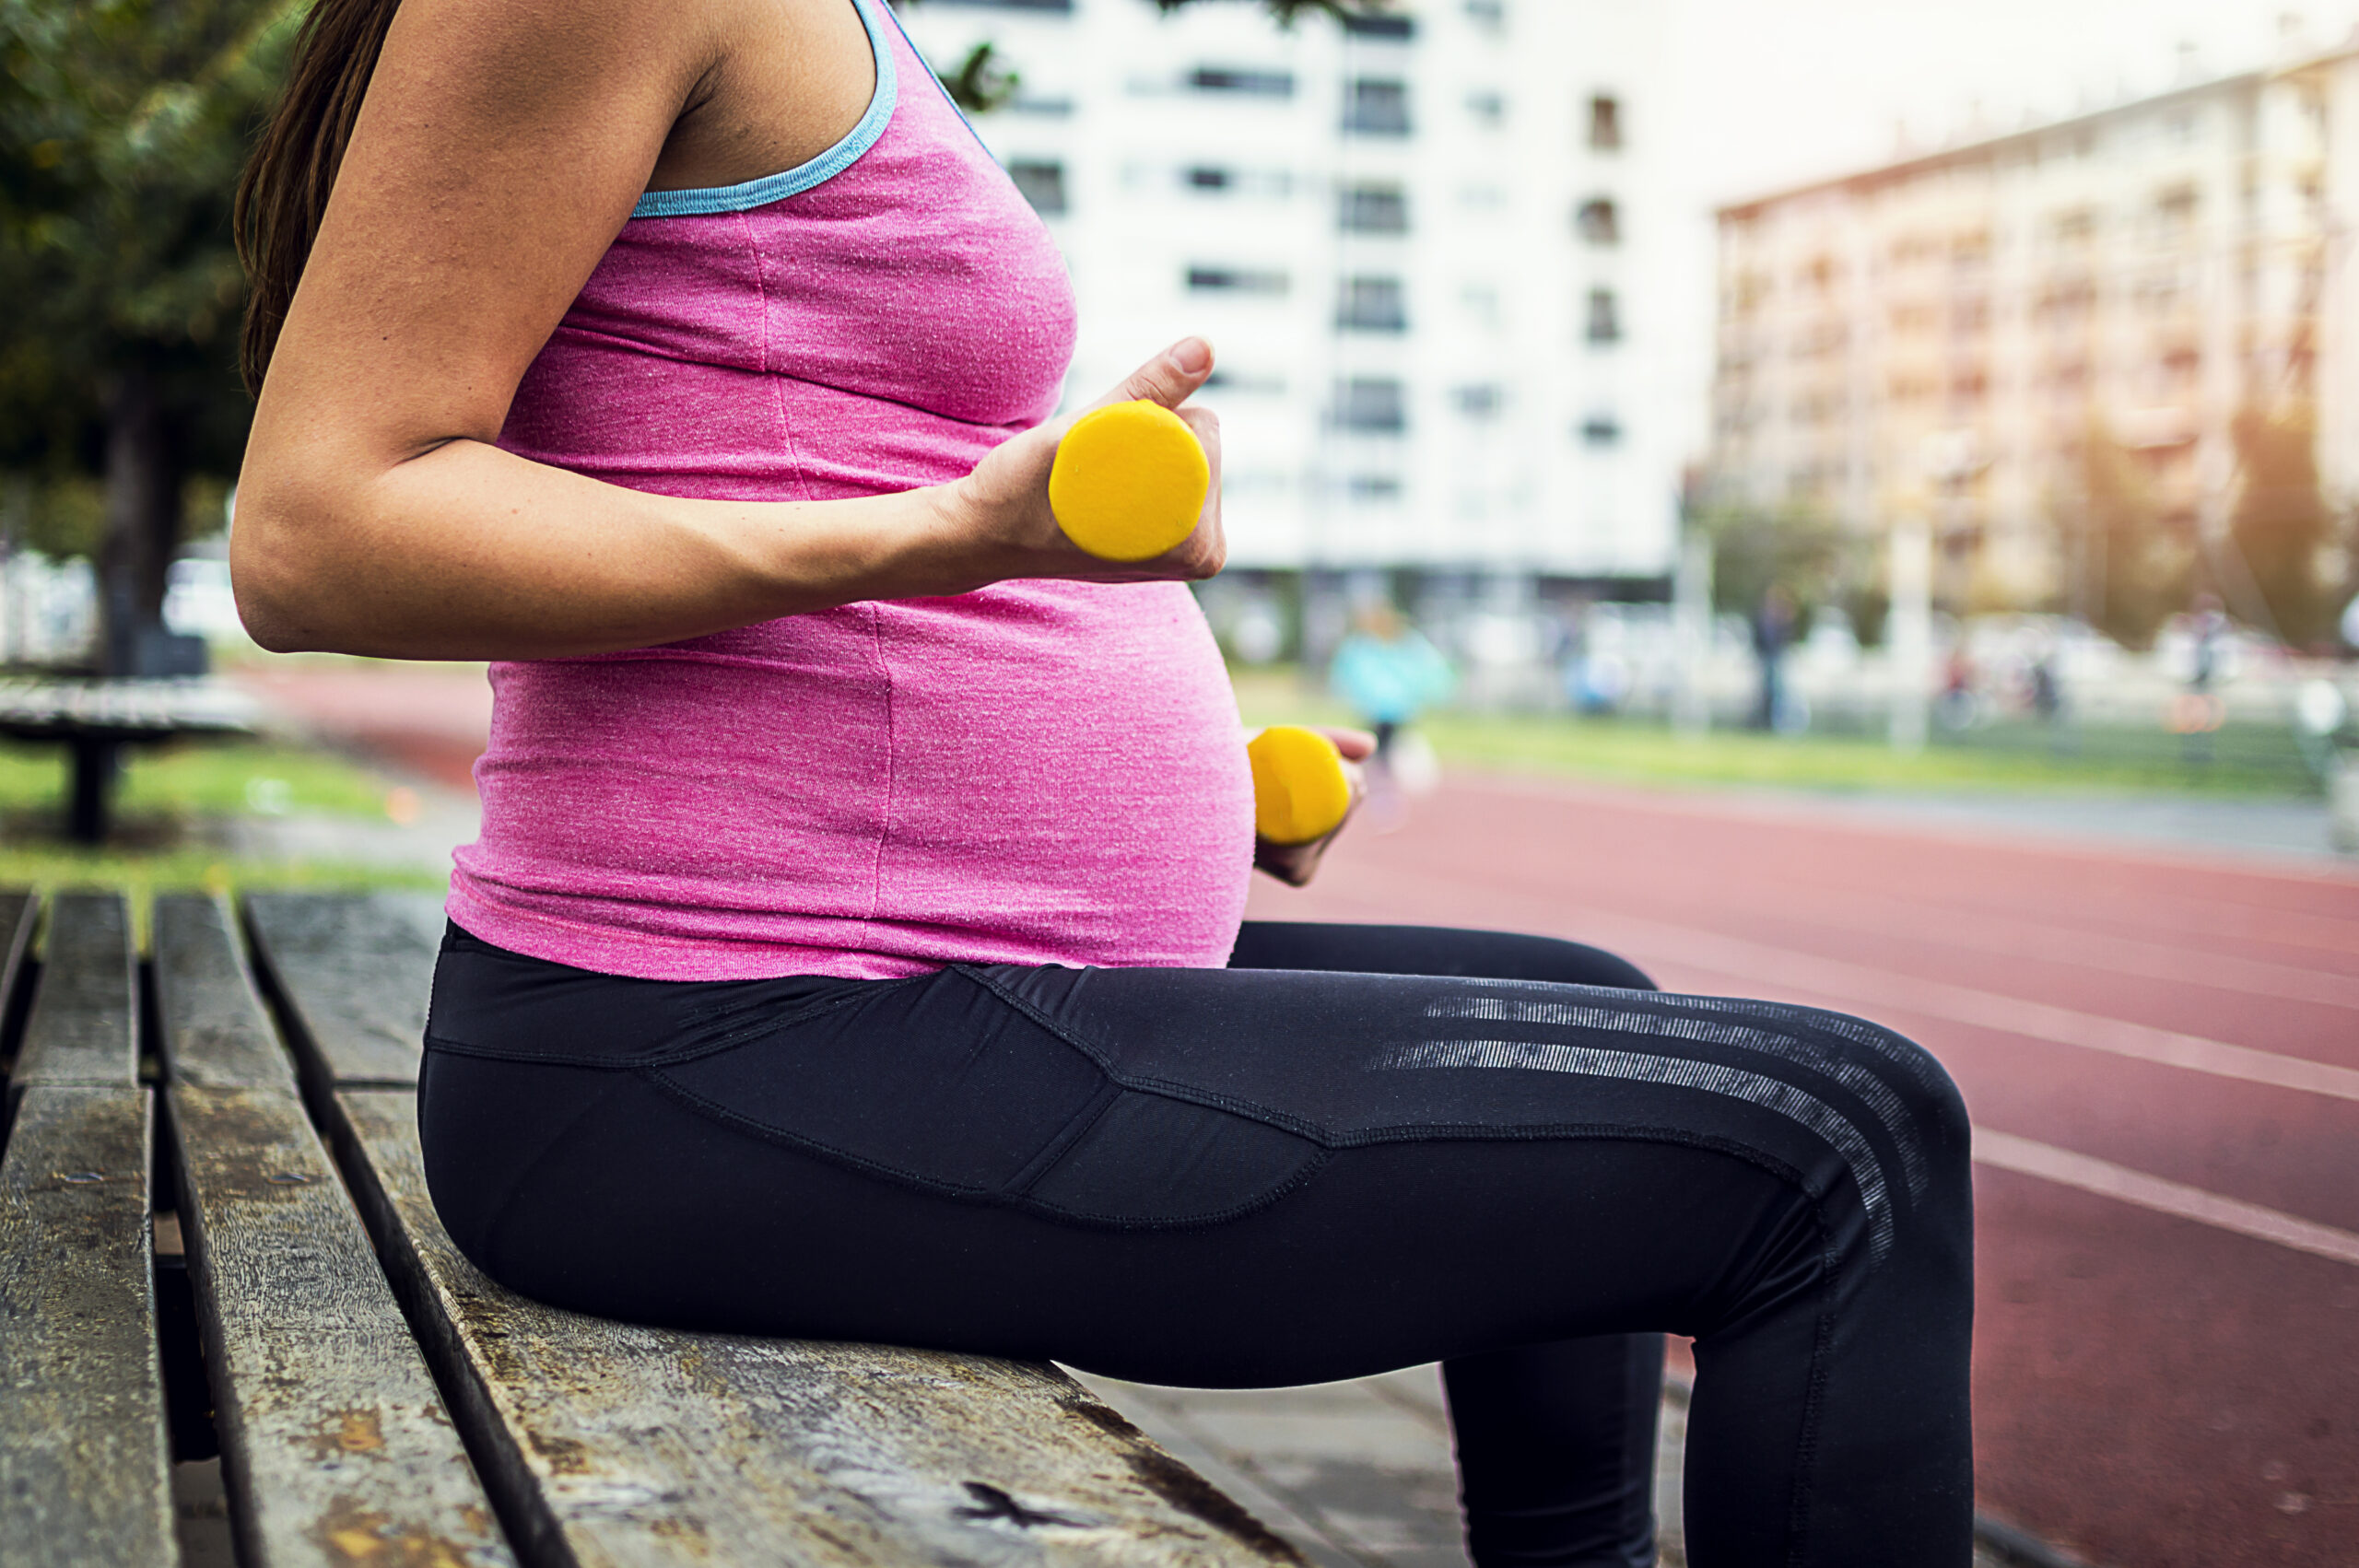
[2134,569]
[63,514]
[123,125]
[1794,548]
[2284,528]
[979,85]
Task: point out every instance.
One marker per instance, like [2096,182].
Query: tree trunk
[142,519]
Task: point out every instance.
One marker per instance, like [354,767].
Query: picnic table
[96,718]
[249,1087]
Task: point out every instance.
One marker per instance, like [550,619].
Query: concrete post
[1691,624]
[1908,631]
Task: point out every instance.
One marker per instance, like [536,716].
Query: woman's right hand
[1001,510]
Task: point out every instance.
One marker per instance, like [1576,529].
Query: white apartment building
[1423,245]
[1938,336]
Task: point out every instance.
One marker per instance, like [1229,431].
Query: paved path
[1358,1474]
[2161,1052]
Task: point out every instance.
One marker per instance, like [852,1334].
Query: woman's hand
[1002,508]
[1294,864]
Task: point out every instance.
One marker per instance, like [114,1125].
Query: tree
[2283,527]
[2134,571]
[123,125]
[979,84]
[1793,549]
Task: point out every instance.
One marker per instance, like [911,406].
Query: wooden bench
[95,719]
[380,1404]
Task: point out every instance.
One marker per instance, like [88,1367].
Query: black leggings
[1357,1148]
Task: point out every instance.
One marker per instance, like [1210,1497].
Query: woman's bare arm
[502,144]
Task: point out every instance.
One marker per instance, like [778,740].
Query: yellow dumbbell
[1128,480]
[1300,791]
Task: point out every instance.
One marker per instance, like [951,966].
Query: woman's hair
[284,187]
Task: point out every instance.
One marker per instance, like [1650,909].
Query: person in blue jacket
[1389,672]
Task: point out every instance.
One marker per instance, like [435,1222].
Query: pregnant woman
[852,947]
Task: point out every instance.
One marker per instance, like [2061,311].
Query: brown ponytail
[284,187]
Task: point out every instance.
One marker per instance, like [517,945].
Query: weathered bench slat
[84,1473]
[338,1447]
[613,1444]
[363,963]
[17,910]
[216,1035]
[80,1031]
[641,1446]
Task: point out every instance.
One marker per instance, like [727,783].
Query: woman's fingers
[1170,379]
[1357,746]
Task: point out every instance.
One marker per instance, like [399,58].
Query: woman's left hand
[1294,864]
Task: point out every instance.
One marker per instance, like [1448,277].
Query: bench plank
[80,1031]
[641,1446]
[18,911]
[614,1444]
[363,963]
[85,1477]
[216,1035]
[338,1448]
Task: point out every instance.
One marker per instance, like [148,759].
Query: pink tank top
[1037,772]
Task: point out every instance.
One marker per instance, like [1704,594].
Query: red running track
[2166,1371]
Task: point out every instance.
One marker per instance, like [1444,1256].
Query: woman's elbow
[277,587]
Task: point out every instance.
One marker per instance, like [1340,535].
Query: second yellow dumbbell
[1301,793]
[1129,482]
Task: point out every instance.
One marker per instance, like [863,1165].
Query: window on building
[1236,280]
[1042,182]
[1374,487]
[1605,122]
[1376,106]
[1375,209]
[1228,380]
[2076,227]
[1372,405]
[2175,212]
[1481,400]
[1205,177]
[1244,81]
[1601,430]
[1604,323]
[1371,304]
[1492,14]
[1599,221]
[1361,24]
[1488,108]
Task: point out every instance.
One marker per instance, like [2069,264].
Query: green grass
[2006,756]
[162,790]
[195,778]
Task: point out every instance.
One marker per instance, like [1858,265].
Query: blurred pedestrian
[1389,672]
[1772,632]
[2198,711]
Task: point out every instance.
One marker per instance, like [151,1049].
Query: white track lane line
[1856,985]
[2008,1152]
